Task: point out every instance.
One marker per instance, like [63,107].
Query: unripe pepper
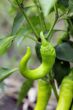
[48,55]
[44,92]
[66,93]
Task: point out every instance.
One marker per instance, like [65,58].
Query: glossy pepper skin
[44,93]
[48,55]
[66,93]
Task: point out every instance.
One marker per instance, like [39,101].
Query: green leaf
[21,27]
[60,69]
[22,34]
[36,23]
[71,5]
[65,3]
[20,1]
[25,29]
[24,89]
[64,52]
[47,5]
[5,72]
[64,37]
[18,21]
[5,43]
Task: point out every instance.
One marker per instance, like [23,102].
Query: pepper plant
[40,20]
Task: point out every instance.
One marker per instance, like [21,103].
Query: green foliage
[61,69]
[65,3]
[24,90]
[5,72]
[71,5]
[47,5]
[18,21]
[5,43]
[64,51]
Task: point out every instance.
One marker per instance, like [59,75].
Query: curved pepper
[48,55]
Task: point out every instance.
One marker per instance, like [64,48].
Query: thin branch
[53,85]
[59,30]
[55,90]
[42,16]
[56,18]
[33,39]
[38,9]
[28,20]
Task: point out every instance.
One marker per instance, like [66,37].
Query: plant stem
[38,9]
[56,18]
[15,69]
[48,35]
[33,38]
[63,18]
[56,30]
[42,16]
[53,85]
[55,90]
[28,20]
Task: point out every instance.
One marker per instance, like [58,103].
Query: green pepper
[48,55]
[66,93]
[44,93]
